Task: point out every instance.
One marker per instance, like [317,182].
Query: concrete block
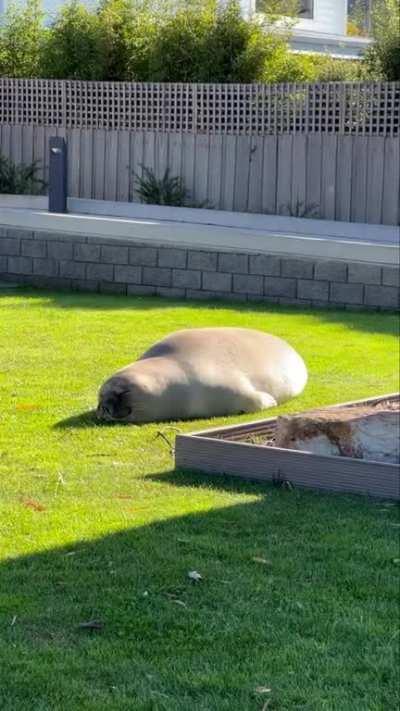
[299,268]
[154,276]
[331,271]
[299,303]
[15,233]
[114,255]
[387,297]
[87,252]
[48,282]
[3,264]
[143,256]
[170,292]
[391,276]
[85,285]
[216,281]
[100,272]
[141,290]
[128,274]
[111,287]
[237,263]
[186,278]
[266,264]
[60,250]
[10,247]
[46,267]
[365,273]
[72,270]
[346,293]
[171,257]
[248,284]
[310,289]
[276,286]
[205,261]
[33,248]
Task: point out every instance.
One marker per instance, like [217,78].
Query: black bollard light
[58,175]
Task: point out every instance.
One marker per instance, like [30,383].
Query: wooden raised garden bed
[239,450]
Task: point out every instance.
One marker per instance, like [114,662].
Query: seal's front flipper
[266,401]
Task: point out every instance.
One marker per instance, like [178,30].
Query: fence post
[58,175]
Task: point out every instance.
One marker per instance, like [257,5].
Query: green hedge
[150,40]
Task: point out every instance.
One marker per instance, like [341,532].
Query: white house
[321,28]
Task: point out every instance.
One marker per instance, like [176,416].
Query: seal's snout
[113,407]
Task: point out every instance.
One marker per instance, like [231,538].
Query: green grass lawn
[299,590]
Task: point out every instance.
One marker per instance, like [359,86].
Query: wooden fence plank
[123,168]
[175,153]
[27,144]
[299,173]
[188,158]
[16,144]
[375,158]
[86,177]
[136,161]
[256,174]
[162,154]
[284,175]
[343,177]
[99,146]
[228,172]
[214,172]
[74,162]
[110,168]
[241,195]
[328,181]
[313,171]
[269,175]
[359,180]
[202,146]
[390,205]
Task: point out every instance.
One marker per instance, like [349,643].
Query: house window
[306,7]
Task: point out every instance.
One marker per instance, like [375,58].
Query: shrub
[21,39]
[20,179]
[75,47]
[130,31]
[382,59]
[212,43]
[160,191]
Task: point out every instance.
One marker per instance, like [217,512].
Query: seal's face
[115,401]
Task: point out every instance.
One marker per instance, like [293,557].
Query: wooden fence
[353,178]
[355,108]
[330,150]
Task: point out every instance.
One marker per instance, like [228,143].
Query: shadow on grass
[269,593]
[370,321]
[87,419]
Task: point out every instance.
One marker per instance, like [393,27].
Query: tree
[21,39]
[382,59]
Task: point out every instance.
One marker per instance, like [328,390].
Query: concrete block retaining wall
[98,264]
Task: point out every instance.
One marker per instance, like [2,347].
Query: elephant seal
[204,372]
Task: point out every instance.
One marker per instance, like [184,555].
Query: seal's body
[204,372]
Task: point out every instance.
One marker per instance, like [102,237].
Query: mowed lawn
[298,604]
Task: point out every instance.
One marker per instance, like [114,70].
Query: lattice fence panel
[369,109]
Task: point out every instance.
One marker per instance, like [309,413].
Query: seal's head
[117,401]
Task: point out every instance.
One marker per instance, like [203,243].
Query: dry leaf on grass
[26,407]
[262,690]
[34,505]
[264,561]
